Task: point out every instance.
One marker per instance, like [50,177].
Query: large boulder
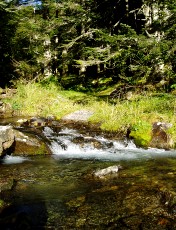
[6,138]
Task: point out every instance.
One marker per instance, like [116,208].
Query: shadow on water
[24,216]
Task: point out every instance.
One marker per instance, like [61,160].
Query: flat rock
[80,115]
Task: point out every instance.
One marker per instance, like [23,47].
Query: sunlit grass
[116,116]
[34,100]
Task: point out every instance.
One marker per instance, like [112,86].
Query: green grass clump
[141,133]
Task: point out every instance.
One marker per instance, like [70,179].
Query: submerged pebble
[107,171]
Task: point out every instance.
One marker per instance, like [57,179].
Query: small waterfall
[63,146]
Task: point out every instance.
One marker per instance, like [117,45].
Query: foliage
[7,30]
[86,47]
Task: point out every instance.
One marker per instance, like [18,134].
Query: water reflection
[63,194]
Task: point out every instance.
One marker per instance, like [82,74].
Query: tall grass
[149,109]
[34,100]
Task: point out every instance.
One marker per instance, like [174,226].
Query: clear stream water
[60,191]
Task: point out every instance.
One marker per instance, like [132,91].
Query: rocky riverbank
[25,137]
[156,135]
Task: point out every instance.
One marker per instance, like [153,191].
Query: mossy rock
[29,144]
[156,135]
[23,148]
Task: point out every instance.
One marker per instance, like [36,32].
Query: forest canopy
[86,44]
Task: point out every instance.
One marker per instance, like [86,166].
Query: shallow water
[61,192]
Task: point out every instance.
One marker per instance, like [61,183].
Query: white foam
[13,159]
[118,151]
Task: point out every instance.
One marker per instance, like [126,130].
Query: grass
[35,100]
[139,113]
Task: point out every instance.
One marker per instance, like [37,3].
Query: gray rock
[6,138]
[80,115]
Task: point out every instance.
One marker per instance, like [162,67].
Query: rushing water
[61,191]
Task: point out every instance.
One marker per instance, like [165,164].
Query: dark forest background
[89,44]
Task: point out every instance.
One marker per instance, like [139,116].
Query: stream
[62,191]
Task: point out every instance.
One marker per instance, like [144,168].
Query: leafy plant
[16,105]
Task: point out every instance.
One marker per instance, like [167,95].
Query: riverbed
[61,191]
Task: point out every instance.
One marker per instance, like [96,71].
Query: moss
[22,148]
[42,150]
[141,133]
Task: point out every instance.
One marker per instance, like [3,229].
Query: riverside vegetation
[137,113]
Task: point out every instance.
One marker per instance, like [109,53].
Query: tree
[84,44]
[7,28]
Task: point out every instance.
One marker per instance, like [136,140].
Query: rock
[80,115]
[98,144]
[40,121]
[129,95]
[160,138]
[23,122]
[7,184]
[123,92]
[6,138]
[5,110]
[94,142]
[101,173]
[28,144]
[51,118]
[36,122]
